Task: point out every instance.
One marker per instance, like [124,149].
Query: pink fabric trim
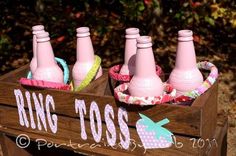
[114,73]
[44,84]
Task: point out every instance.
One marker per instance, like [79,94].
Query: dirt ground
[227,106]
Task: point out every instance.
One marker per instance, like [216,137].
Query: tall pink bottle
[185,76]
[85,56]
[145,81]
[130,51]
[36,29]
[47,68]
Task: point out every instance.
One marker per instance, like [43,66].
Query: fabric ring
[114,73]
[65,69]
[168,95]
[44,84]
[89,77]
[64,66]
[210,80]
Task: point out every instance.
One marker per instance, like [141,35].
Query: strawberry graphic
[152,134]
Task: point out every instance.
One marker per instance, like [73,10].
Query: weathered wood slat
[15,75]
[9,147]
[69,133]
[97,87]
[209,113]
[69,130]
[184,119]
[221,136]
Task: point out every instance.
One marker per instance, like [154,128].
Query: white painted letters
[80,105]
[27,94]
[124,129]
[39,109]
[111,129]
[42,118]
[52,124]
[21,111]
[94,109]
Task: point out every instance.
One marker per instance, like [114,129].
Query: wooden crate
[186,122]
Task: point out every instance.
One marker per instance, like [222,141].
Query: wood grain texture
[69,134]
[97,86]
[15,75]
[208,105]
[182,119]
[209,113]
[69,131]
[9,147]
[221,136]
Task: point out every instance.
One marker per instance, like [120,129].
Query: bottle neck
[186,57]
[145,63]
[84,49]
[45,55]
[34,46]
[35,38]
[130,51]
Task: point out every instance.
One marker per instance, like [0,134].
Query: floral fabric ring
[169,95]
[89,77]
[114,73]
[210,80]
[64,66]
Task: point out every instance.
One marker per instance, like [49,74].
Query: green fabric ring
[91,74]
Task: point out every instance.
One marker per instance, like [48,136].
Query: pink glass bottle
[145,81]
[47,68]
[130,51]
[185,76]
[85,56]
[36,29]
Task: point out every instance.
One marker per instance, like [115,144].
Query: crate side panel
[183,120]
[15,75]
[69,130]
[98,86]
[209,114]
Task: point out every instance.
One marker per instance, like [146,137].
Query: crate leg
[223,151]
[9,147]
